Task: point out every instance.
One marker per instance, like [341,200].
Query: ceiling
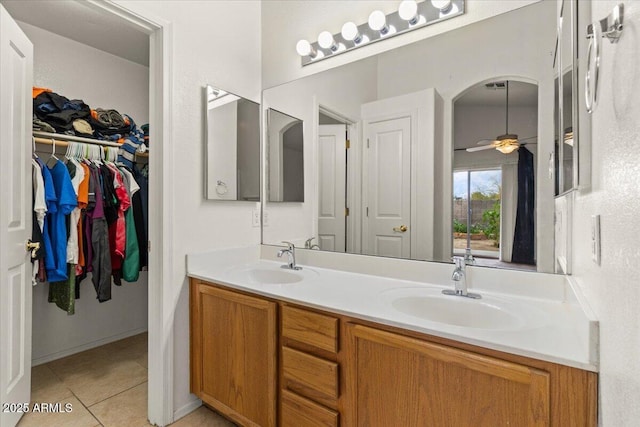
[84,23]
[520,95]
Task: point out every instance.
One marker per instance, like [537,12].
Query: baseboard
[186,409]
[73,350]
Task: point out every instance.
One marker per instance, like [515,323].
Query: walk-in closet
[83,59]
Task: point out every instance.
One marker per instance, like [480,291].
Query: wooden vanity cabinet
[262,363]
[234,353]
[309,368]
[397,379]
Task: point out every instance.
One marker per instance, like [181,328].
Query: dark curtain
[525,234]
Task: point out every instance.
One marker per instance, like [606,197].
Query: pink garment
[125,203]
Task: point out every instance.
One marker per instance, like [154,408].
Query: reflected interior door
[332,171]
[388,211]
[16,79]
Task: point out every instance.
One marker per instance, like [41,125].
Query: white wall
[612,288]
[284,22]
[215,42]
[103,80]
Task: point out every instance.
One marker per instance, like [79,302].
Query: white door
[388,188]
[332,171]
[16,76]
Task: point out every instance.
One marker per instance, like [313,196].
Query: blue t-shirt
[66,202]
[51,199]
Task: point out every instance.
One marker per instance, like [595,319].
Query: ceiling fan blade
[526,139]
[485,141]
[482,147]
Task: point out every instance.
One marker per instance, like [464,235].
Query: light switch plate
[595,238]
[255,218]
[265,218]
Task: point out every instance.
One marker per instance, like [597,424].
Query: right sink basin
[490,313]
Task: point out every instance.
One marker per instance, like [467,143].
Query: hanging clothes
[140,211]
[61,287]
[97,233]
[131,263]
[524,235]
[65,203]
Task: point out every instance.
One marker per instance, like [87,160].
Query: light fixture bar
[427,14]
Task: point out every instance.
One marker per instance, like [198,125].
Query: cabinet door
[234,354]
[393,380]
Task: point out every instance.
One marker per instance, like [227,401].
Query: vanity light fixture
[410,16]
[304,48]
[350,33]
[443,5]
[408,10]
[378,22]
[326,41]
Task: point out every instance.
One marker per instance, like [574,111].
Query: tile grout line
[118,393]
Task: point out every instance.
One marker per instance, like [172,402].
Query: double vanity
[375,342]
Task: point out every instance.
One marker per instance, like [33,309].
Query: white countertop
[563,333]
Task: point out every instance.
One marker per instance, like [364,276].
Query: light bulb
[304,48]
[326,41]
[443,5]
[408,11]
[350,32]
[378,22]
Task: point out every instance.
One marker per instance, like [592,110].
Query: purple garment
[99,256]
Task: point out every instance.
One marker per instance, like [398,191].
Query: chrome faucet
[459,278]
[291,254]
[308,244]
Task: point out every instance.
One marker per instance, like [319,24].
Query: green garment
[63,294]
[131,263]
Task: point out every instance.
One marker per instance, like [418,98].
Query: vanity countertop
[558,330]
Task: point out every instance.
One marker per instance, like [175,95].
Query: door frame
[161,313]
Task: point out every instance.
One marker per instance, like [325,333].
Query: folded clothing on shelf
[59,111]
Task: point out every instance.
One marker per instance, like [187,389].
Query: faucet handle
[289,244]
[458,261]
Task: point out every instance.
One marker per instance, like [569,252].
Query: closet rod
[63,141]
[64,138]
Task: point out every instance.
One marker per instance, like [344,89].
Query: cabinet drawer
[300,412]
[318,377]
[310,328]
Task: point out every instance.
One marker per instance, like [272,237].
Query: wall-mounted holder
[410,16]
[611,28]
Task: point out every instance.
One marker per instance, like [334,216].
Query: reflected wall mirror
[388,170]
[285,157]
[232,146]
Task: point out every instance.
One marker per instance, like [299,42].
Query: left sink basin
[264,273]
[272,276]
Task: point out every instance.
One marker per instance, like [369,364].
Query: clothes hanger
[33,151]
[53,154]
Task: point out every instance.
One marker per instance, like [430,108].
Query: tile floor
[105,386]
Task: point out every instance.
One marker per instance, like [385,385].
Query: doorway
[160,407]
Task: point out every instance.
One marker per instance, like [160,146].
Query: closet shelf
[62,140]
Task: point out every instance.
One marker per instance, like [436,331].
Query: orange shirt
[83,200]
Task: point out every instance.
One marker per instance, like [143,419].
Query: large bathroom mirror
[437,148]
[285,157]
[232,146]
